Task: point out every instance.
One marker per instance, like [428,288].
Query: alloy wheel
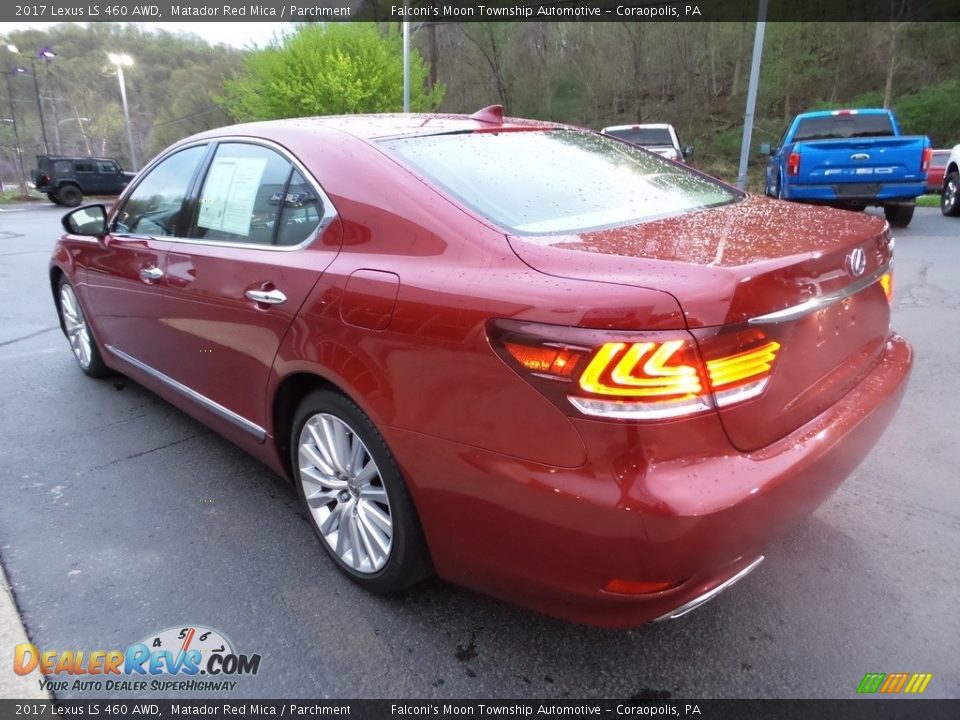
[950,195]
[78,333]
[344,490]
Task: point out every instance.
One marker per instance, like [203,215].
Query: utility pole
[752,94]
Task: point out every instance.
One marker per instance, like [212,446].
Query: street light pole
[752,94]
[13,119]
[406,64]
[120,61]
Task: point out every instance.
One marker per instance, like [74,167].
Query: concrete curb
[12,633]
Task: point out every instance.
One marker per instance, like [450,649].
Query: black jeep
[66,180]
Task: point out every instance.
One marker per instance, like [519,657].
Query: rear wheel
[949,202]
[52,197]
[78,332]
[354,495]
[899,215]
[70,195]
[778,192]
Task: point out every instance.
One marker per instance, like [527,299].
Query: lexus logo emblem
[856,262]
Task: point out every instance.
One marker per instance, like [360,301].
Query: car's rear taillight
[793,164]
[636,375]
[927,158]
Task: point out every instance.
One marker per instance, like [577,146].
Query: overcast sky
[237,34]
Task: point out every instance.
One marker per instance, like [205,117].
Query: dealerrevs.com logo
[179,659]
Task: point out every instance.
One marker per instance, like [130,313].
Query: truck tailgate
[865,160]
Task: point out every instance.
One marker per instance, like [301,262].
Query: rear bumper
[551,538]
[838,194]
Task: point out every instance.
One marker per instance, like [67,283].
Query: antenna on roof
[492,114]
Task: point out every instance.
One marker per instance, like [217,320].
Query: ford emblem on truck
[860,156]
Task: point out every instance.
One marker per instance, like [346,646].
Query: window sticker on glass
[229,194]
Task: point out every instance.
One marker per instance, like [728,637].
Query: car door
[124,270]
[261,235]
[108,177]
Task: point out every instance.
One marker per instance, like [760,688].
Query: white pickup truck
[660,138]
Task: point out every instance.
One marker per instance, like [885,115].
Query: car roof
[382,126]
[853,111]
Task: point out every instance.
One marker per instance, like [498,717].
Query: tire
[381,545]
[77,329]
[52,197]
[70,195]
[899,215]
[950,197]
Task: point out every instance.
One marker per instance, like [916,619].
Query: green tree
[328,69]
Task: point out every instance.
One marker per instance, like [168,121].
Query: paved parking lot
[121,516]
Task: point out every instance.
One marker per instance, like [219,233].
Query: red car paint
[520,496]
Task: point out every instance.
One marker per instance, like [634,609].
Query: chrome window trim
[191,394]
[330,212]
[818,303]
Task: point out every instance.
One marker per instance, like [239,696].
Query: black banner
[854,709]
[479,11]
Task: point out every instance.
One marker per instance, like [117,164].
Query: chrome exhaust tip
[710,594]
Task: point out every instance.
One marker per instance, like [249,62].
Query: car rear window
[557,181]
[843,126]
[644,136]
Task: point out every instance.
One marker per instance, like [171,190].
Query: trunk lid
[793,273]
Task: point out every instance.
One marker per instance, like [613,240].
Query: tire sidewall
[97,367]
[407,563]
[70,196]
[954,209]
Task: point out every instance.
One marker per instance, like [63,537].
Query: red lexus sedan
[541,362]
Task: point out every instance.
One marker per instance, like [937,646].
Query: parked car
[949,204]
[850,159]
[660,138]
[937,171]
[66,180]
[537,360]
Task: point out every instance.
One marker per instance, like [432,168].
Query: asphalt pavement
[120,516]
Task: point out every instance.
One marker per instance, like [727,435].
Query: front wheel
[354,495]
[78,333]
[899,215]
[949,202]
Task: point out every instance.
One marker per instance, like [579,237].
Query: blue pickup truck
[850,159]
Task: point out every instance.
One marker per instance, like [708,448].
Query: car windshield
[844,126]
[557,181]
[644,136]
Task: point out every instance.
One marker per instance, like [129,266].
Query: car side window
[63,167]
[107,168]
[84,167]
[154,206]
[241,196]
[301,213]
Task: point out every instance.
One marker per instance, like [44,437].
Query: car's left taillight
[636,375]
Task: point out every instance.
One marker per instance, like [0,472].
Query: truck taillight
[927,159]
[636,375]
[793,164]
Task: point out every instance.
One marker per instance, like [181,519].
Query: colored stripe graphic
[893,683]
[918,682]
[871,682]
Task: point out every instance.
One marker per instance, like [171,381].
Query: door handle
[267,297]
[151,274]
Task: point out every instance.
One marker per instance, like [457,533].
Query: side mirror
[86,220]
[765,148]
[688,152]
